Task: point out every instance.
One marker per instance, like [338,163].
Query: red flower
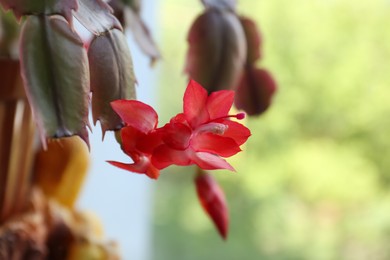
[203,133]
[213,201]
[139,136]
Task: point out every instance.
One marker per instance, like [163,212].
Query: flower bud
[213,201]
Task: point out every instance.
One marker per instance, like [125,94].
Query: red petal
[208,161]
[153,172]
[194,104]
[213,201]
[177,135]
[150,171]
[164,156]
[216,144]
[238,132]
[136,114]
[219,103]
[129,137]
[147,143]
[179,118]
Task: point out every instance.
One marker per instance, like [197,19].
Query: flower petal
[149,170]
[179,118]
[177,135]
[208,161]
[194,104]
[219,103]
[153,172]
[146,143]
[129,136]
[216,144]
[238,132]
[164,156]
[136,114]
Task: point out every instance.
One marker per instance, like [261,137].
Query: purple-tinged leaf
[112,77]
[56,76]
[135,5]
[36,7]
[255,91]
[220,4]
[253,40]
[141,34]
[96,16]
[128,13]
[118,10]
[217,50]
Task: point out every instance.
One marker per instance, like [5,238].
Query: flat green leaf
[112,77]
[48,7]
[55,71]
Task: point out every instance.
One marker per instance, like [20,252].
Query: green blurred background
[313,180]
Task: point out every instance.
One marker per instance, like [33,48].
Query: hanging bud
[217,50]
[255,91]
[213,201]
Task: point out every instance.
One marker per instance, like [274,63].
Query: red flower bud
[213,201]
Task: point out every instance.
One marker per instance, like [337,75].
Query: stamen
[215,128]
[239,116]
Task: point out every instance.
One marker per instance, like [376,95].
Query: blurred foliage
[313,180]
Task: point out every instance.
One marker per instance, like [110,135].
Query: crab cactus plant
[52,76]
[222,54]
